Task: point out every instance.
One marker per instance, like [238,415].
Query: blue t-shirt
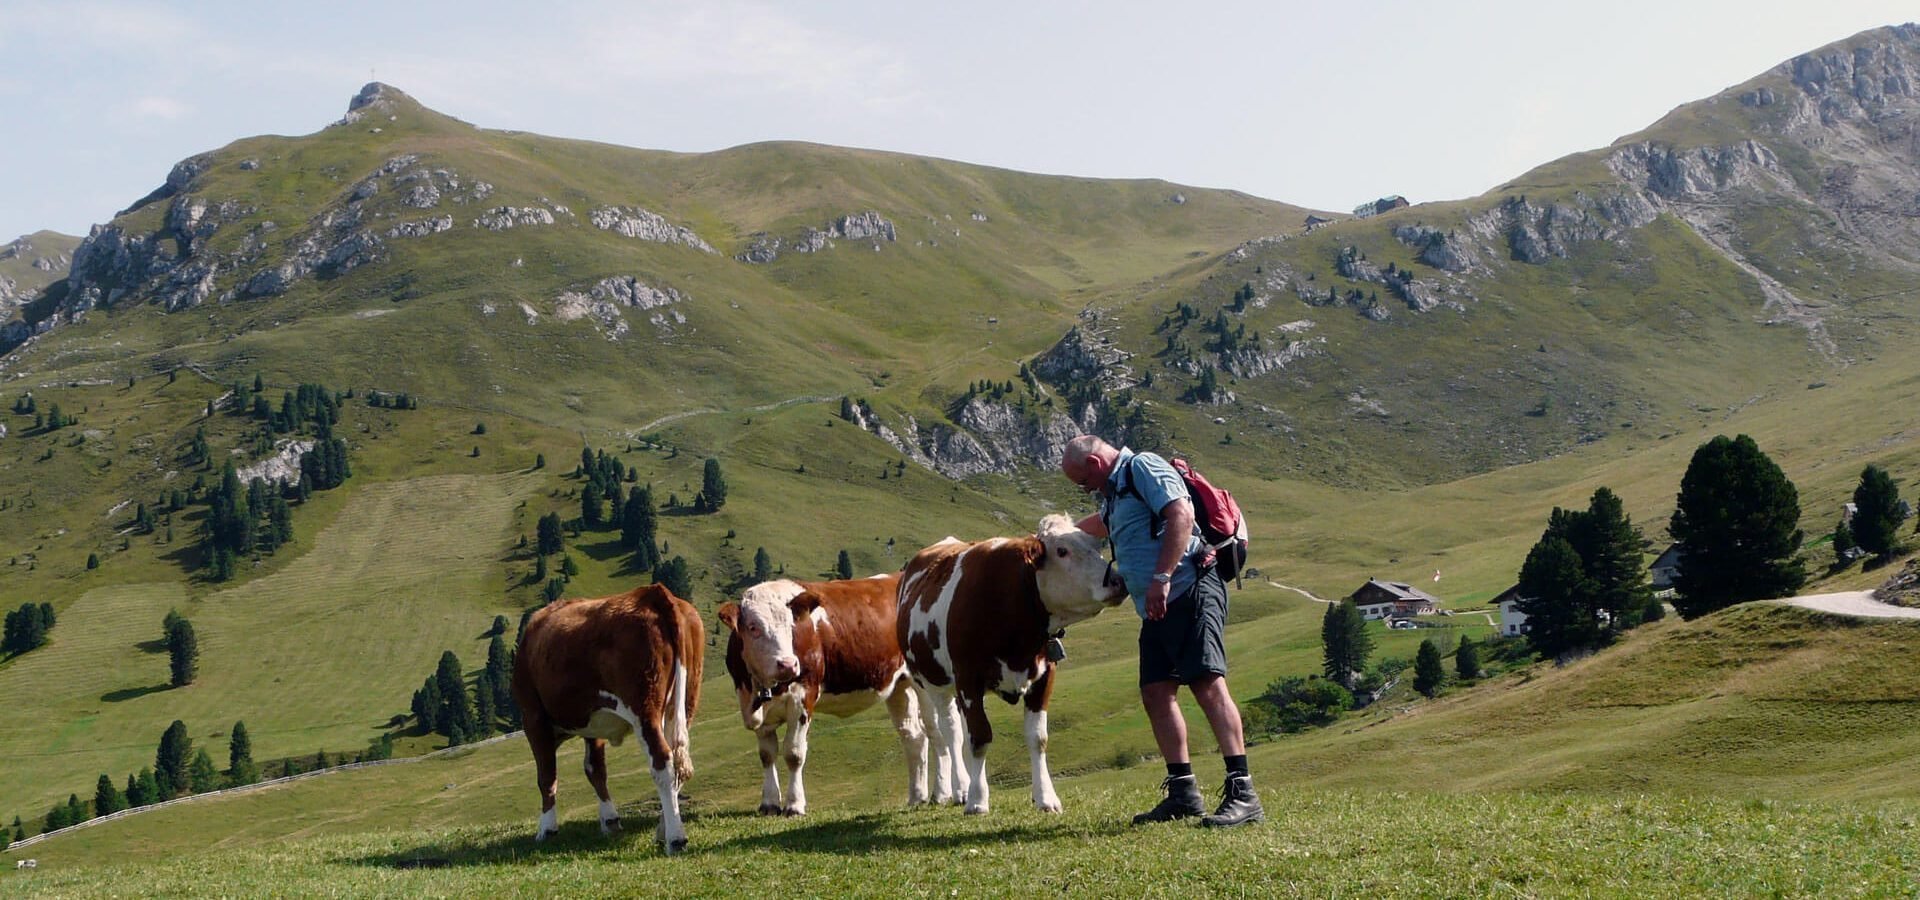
[1130,521]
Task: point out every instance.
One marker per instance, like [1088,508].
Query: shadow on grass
[132,693]
[858,835]
[157,645]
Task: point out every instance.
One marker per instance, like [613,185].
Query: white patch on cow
[549,823]
[609,724]
[1043,796]
[918,619]
[677,730]
[942,717]
[903,708]
[1073,588]
[671,833]
[766,627]
[819,616]
[977,804]
[1011,680]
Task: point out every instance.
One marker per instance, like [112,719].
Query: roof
[1508,595]
[1401,590]
[1669,558]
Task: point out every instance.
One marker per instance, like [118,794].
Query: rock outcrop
[867,226]
[602,303]
[634,222]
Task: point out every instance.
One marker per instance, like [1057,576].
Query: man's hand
[1157,599]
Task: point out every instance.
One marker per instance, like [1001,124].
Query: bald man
[1147,514]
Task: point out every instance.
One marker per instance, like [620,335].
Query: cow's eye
[1062,551]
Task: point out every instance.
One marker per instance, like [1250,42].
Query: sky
[1320,104]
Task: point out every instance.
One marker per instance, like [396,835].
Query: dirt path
[1854,603]
[1301,591]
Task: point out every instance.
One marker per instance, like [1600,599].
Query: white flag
[1436,574]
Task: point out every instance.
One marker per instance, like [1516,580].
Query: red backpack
[1222,526]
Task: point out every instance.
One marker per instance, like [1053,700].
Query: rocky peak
[1864,79]
[377,100]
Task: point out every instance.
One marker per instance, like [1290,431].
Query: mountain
[27,265]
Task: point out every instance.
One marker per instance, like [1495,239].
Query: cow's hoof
[609,826]
[980,810]
[540,837]
[794,811]
[770,809]
[1052,806]
[676,846]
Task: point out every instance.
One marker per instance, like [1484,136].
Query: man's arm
[1093,525]
[1178,531]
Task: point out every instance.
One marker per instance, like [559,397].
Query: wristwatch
[1162,577]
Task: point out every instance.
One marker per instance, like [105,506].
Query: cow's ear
[729,614]
[804,604]
[1036,553]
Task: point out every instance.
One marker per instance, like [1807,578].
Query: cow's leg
[904,708]
[671,833]
[1037,696]
[795,754]
[541,740]
[949,775]
[596,766]
[769,736]
[979,735]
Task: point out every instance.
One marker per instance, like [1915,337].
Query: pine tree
[843,567]
[713,485]
[76,811]
[762,565]
[1877,514]
[201,774]
[483,711]
[1428,674]
[456,707]
[1556,596]
[1736,521]
[171,761]
[673,575]
[1466,659]
[240,766]
[638,528]
[591,509]
[548,538]
[1609,548]
[499,627]
[107,799]
[1345,643]
[183,653]
[1843,542]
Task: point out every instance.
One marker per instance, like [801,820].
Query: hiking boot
[1182,801]
[1239,805]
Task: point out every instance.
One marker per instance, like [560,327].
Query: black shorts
[1189,642]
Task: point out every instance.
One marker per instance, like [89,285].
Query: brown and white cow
[798,648]
[601,670]
[975,619]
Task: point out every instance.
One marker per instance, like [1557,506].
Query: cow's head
[764,620]
[1074,578]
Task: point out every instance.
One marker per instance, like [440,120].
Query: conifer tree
[107,799]
[673,575]
[548,539]
[1877,513]
[1345,643]
[183,652]
[1737,523]
[762,565]
[1466,659]
[456,707]
[171,761]
[201,774]
[713,485]
[1428,673]
[843,567]
[1555,595]
[240,766]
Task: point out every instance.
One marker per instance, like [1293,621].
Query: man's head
[1088,461]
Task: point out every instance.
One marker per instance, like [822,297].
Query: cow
[603,669]
[975,618]
[798,648]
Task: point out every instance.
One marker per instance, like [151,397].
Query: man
[1182,602]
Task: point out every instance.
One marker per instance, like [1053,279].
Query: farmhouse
[1665,569]
[1393,599]
[1513,622]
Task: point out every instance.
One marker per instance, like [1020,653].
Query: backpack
[1222,526]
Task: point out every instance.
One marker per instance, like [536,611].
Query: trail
[1854,603]
[675,417]
[1302,592]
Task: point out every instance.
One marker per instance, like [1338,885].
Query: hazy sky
[1320,104]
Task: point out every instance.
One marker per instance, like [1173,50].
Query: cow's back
[574,650]
[966,607]
[851,637]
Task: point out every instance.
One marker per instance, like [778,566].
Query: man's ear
[803,604]
[729,613]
